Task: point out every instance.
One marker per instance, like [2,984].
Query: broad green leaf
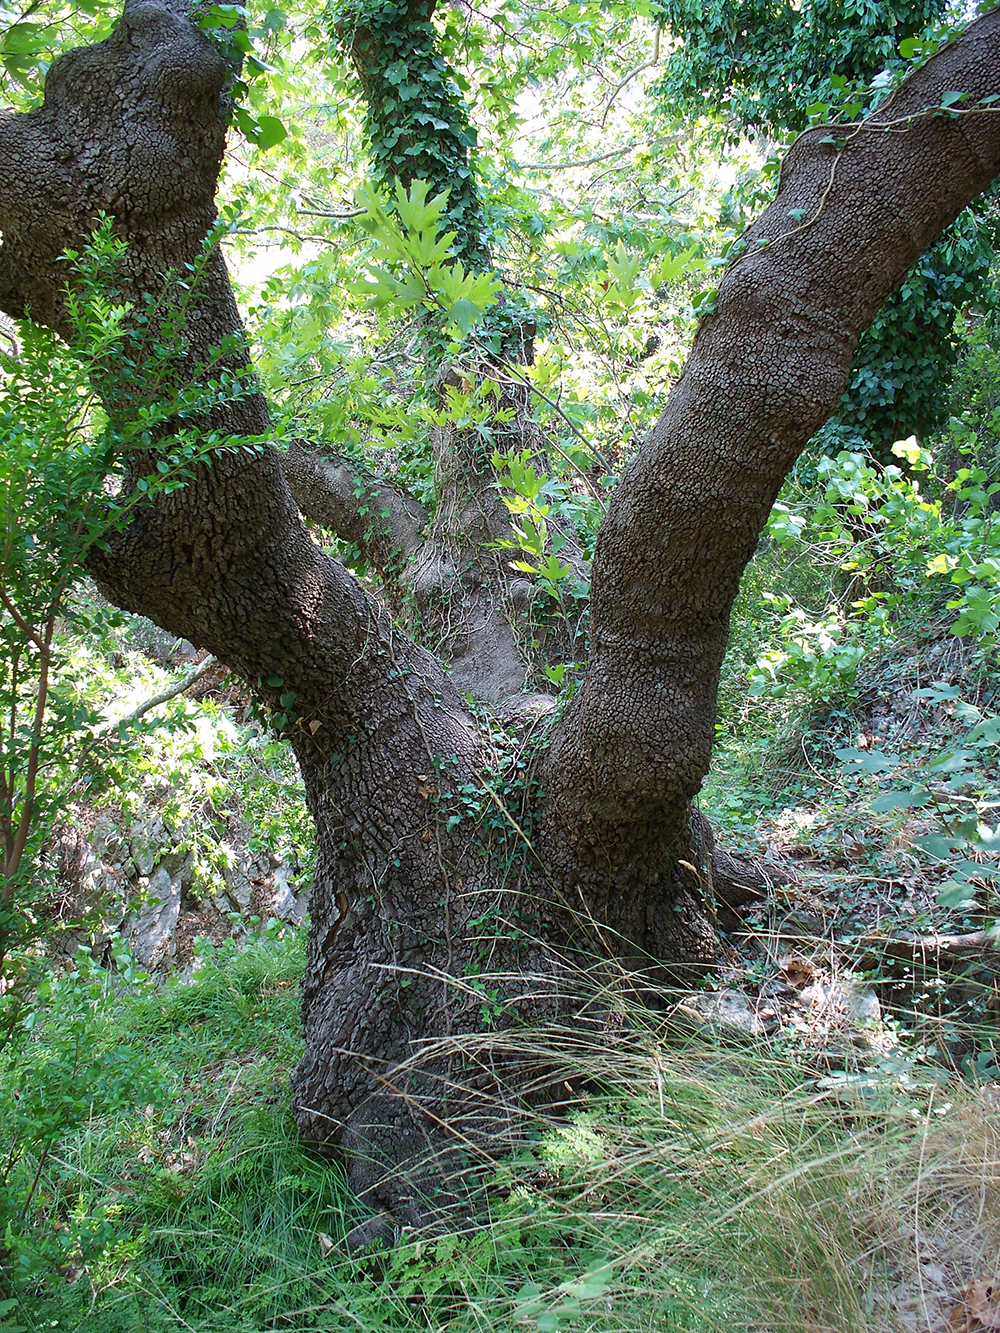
[270,131]
[867,761]
[954,894]
[464,313]
[937,844]
[901,800]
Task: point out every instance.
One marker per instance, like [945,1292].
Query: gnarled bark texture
[425,921]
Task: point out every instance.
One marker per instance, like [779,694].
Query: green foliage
[157,1073]
[533,499]
[61,1069]
[891,549]
[33,35]
[698,1184]
[815,656]
[948,783]
[766,64]
[421,255]
[975,397]
[780,67]
[87,434]
[210,778]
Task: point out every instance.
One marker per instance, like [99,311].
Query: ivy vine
[416,122]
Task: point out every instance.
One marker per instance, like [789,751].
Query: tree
[428,925]
[772,70]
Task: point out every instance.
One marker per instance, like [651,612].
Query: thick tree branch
[766,369]
[386,524]
[134,127]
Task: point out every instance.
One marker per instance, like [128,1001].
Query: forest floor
[809,1141]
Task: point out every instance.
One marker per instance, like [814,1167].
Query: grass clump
[697,1186]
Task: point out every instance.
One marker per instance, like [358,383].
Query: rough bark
[418,915]
[438,572]
[385,523]
[405,903]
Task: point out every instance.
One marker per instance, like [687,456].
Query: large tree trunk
[431,920]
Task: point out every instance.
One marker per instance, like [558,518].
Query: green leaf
[867,761]
[263,131]
[954,894]
[270,131]
[23,39]
[949,763]
[464,313]
[416,213]
[937,844]
[901,800]
[221,16]
[985,733]
[986,837]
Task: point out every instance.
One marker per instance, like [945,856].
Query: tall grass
[696,1186]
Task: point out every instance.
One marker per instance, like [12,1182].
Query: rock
[238,886]
[147,839]
[102,872]
[222,904]
[837,1021]
[842,1001]
[727,1008]
[151,932]
[842,1022]
[106,838]
[284,905]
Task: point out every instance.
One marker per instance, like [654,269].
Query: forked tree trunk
[432,919]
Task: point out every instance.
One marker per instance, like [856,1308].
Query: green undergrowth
[890,792]
[697,1186]
[858,709]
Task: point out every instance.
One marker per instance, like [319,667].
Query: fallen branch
[958,946]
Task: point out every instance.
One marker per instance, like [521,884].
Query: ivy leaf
[263,131]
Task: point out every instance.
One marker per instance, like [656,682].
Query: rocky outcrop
[160,887]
